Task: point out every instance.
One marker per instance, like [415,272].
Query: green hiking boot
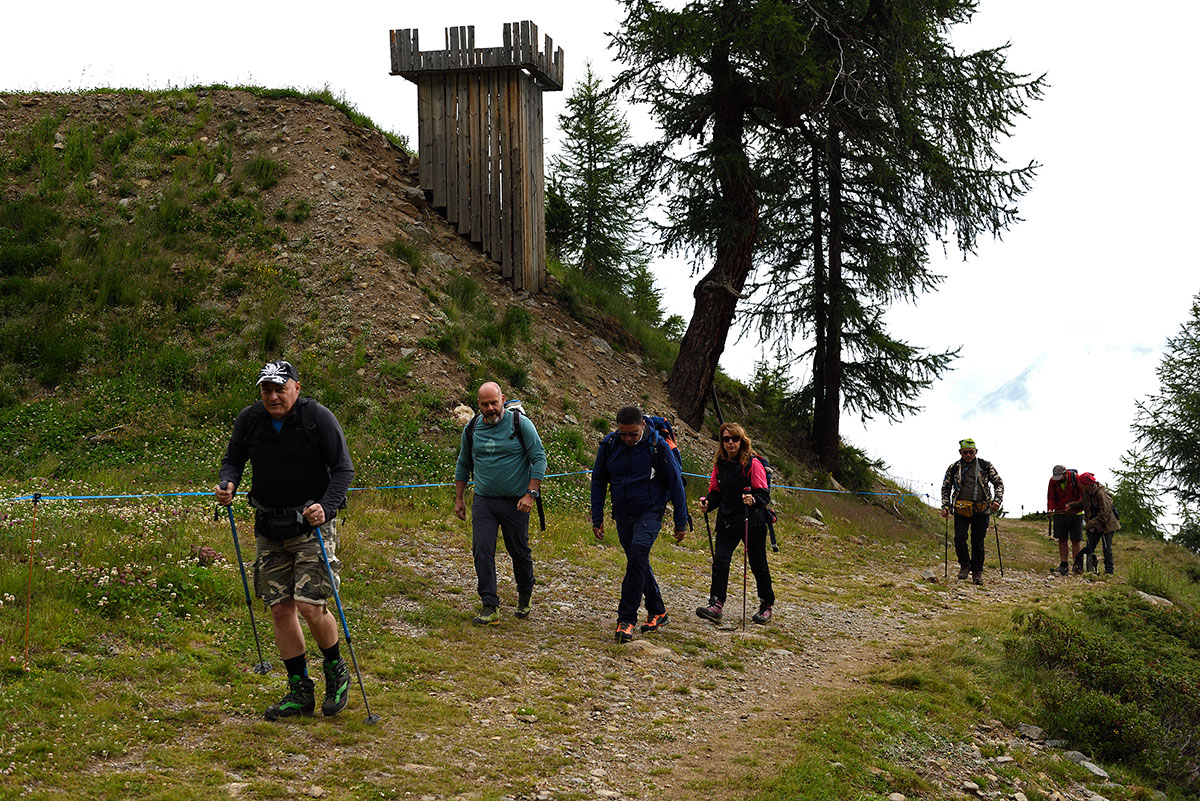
[298,701]
[490,616]
[337,687]
[524,607]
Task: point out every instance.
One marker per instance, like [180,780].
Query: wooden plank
[477,156]
[414,56]
[537,149]
[523,56]
[473,55]
[528,87]
[438,115]
[506,174]
[425,130]
[494,229]
[452,182]
[515,197]
[463,120]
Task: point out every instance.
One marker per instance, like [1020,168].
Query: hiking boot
[1063,568]
[337,687]
[624,632]
[524,607]
[490,616]
[713,611]
[963,572]
[298,701]
[654,621]
[763,615]
[976,578]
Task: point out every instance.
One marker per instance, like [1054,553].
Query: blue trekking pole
[263,665]
[371,719]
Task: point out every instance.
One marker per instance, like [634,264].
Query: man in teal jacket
[503,449]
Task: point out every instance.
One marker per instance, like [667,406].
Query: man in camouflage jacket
[965,491]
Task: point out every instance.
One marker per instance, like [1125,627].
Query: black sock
[296,666]
[333,653]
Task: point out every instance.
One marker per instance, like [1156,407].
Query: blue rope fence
[40,497]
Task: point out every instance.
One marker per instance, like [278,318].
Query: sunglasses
[731,439]
[967,452]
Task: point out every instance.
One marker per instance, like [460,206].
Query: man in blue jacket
[639,466]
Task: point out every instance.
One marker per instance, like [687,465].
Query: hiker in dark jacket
[635,465]
[965,490]
[1102,522]
[300,465]
[1062,490]
[738,490]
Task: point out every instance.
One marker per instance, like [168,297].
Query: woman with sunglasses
[738,490]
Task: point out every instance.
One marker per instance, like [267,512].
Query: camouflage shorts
[293,568]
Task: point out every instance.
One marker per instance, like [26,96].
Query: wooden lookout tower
[480,138]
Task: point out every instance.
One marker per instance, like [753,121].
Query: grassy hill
[155,248]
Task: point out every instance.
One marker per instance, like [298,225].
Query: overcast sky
[1061,324]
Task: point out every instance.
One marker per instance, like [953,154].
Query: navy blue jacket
[643,477]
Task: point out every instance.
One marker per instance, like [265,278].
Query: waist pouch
[281,524]
[970,508]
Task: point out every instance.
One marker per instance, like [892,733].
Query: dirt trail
[693,716]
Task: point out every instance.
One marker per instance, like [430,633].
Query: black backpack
[770,513]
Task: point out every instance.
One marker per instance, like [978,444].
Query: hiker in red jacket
[1102,521]
[1062,490]
[738,490]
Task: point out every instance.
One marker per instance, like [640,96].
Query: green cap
[966,443]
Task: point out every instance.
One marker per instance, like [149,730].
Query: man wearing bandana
[966,492]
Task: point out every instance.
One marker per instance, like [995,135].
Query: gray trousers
[488,516]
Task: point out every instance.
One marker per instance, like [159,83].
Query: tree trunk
[827,412]
[719,290]
[820,282]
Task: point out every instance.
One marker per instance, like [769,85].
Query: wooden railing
[480,138]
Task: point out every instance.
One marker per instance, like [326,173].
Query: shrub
[410,254]
[264,172]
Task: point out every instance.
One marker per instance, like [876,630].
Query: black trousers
[977,525]
[728,536]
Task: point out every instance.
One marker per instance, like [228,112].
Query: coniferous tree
[1167,425]
[604,205]
[828,141]
[1135,497]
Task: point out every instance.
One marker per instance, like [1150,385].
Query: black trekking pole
[745,560]
[263,665]
[1000,556]
[371,719]
[712,553]
[946,541]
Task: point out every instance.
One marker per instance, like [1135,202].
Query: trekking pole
[1000,556]
[745,560]
[711,552]
[263,667]
[946,542]
[371,719]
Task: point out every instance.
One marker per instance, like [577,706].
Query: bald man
[503,450]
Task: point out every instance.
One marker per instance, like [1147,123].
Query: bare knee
[283,611]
